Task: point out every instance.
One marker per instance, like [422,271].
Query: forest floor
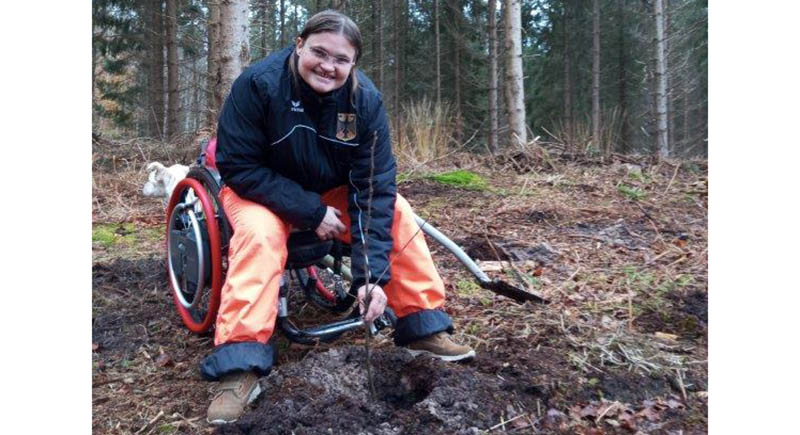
[621,349]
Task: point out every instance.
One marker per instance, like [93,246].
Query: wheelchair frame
[197,239]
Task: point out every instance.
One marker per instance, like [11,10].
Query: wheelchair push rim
[183,215]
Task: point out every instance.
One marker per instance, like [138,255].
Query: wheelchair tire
[202,313]
[202,174]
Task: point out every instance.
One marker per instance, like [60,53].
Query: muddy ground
[622,347]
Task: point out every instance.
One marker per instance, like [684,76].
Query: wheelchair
[198,236]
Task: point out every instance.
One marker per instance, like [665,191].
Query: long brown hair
[334,22]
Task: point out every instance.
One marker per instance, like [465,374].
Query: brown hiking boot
[235,391]
[440,346]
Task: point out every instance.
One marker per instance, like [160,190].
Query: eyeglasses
[323,56]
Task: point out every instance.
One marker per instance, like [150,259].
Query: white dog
[162,180]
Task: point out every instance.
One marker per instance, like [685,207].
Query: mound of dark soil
[328,393]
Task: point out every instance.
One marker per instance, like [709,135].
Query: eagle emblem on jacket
[346,126]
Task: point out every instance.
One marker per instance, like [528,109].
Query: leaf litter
[621,348]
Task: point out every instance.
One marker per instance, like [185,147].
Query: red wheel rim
[216,256]
[321,289]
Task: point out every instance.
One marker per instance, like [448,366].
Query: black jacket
[283,145]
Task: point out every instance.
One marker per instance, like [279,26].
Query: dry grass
[425,134]
[118,175]
[577,138]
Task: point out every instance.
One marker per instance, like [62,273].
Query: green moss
[104,235]
[166,428]
[403,177]
[473,328]
[467,288]
[633,193]
[114,234]
[640,177]
[461,179]
[681,281]
[639,280]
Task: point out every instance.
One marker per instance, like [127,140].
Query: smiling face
[325,60]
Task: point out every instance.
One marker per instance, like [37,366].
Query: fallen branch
[503,422]
[671,180]
[150,423]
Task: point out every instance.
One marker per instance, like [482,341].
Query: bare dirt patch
[328,392]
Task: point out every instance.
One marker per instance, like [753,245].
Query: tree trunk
[156,70]
[95,61]
[234,49]
[283,23]
[378,11]
[96,37]
[295,23]
[195,124]
[670,100]
[568,93]
[623,92]
[459,135]
[686,118]
[438,53]
[396,105]
[492,75]
[515,92]
[455,6]
[596,134]
[173,100]
[661,82]
[213,62]
[262,29]
[457,70]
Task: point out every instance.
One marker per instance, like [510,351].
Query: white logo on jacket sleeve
[296,107]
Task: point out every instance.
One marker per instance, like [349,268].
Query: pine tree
[173,100]
[493,83]
[515,91]
[661,81]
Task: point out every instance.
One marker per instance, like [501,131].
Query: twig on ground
[107,381]
[671,180]
[504,421]
[606,411]
[680,383]
[653,260]
[150,423]
[682,258]
[560,287]
[630,311]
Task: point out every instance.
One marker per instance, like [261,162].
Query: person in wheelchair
[295,150]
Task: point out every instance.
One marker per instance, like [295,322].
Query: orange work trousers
[257,256]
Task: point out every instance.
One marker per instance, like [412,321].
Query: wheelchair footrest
[335,329]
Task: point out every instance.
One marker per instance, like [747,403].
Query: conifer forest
[602,76]
[561,145]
